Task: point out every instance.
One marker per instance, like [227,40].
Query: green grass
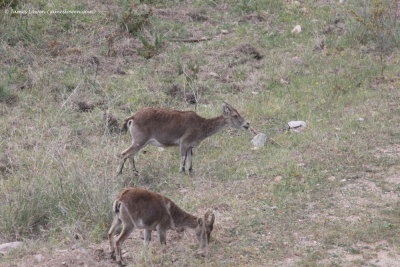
[279,207]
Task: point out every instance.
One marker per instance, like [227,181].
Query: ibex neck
[189,221]
[180,218]
[213,125]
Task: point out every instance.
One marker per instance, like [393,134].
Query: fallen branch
[202,39]
[72,94]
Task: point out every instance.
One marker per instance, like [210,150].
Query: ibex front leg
[184,151]
[189,156]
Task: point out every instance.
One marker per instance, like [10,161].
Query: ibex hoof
[113,255]
[121,263]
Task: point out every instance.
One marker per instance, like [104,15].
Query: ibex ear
[208,214]
[211,222]
[226,108]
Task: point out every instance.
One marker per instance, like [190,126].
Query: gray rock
[259,140]
[38,258]
[6,247]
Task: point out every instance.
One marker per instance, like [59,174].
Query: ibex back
[161,127]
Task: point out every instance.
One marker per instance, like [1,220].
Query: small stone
[224,31]
[296,29]
[259,140]
[360,119]
[277,178]
[297,126]
[283,81]
[331,178]
[213,74]
[38,258]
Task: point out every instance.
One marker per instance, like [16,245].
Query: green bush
[376,22]
[149,49]
[8,3]
[6,96]
[135,18]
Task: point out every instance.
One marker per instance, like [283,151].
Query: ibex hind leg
[126,231]
[121,166]
[130,153]
[132,161]
[114,226]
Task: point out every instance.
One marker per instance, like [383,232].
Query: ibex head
[203,231]
[233,117]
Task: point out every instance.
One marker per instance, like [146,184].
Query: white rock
[38,258]
[6,247]
[284,82]
[297,126]
[213,74]
[296,29]
[331,178]
[259,140]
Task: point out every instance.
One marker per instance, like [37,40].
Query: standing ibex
[142,209]
[186,129]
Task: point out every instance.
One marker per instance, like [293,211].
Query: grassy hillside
[327,196]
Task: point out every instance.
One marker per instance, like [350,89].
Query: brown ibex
[142,209]
[161,127]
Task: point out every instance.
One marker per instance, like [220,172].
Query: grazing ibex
[161,127]
[142,209]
